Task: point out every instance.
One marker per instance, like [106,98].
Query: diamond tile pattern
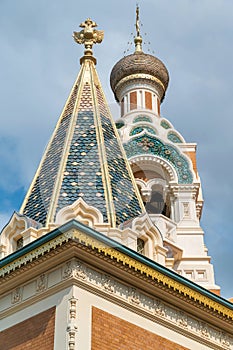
[124,197]
[39,200]
[83,175]
[84,160]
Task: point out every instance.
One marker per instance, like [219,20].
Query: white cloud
[39,61]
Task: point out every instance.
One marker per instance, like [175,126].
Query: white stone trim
[122,294]
[152,160]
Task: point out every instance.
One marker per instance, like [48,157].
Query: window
[140,246]
[201,274]
[189,274]
[122,106]
[133,100]
[156,204]
[148,97]
[19,243]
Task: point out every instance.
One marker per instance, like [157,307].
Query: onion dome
[139,66]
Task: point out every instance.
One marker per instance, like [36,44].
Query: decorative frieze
[107,284]
[67,270]
[130,264]
[16,296]
[122,293]
[41,283]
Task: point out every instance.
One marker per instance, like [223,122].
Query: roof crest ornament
[138,38]
[88,36]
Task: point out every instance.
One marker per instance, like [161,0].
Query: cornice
[76,272]
[123,258]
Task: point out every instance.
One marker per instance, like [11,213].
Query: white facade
[179,201]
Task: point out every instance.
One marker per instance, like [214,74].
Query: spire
[84,158]
[138,38]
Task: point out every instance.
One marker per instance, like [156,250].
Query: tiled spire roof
[84,158]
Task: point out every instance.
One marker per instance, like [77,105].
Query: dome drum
[144,81]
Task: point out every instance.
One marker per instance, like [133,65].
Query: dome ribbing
[139,66]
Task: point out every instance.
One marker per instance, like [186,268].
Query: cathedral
[107,251]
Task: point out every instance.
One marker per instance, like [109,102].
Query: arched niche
[153,176]
[177,164]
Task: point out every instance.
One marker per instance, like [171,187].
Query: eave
[75,240]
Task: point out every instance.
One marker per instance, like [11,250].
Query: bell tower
[163,163]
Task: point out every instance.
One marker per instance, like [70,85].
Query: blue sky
[39,62]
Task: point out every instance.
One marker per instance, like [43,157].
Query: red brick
[35,333]
[113,333]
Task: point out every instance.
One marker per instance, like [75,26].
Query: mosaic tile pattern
[83,174]
[124,196]
[137,130]
[40,195]
[39,199]
[165,124]
[148,144]
[142,118]
[85,169]
[174,138]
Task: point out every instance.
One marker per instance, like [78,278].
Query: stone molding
[81,211]
[72,327]
[126,262]
[155,309]
[158,160]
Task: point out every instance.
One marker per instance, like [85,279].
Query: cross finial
[88,36]
[137,21]
[138,38]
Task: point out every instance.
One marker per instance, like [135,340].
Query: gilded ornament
[88,36]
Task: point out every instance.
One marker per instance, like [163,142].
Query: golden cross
[137,21]
[138,38]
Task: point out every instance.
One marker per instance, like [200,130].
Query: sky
[39,62]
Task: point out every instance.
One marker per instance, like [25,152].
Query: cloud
[39,61]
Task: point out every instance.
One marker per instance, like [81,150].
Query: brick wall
[112,333]
[35,333]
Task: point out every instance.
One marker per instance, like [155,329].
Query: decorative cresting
[84,158]
[148,144]
[88,36]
